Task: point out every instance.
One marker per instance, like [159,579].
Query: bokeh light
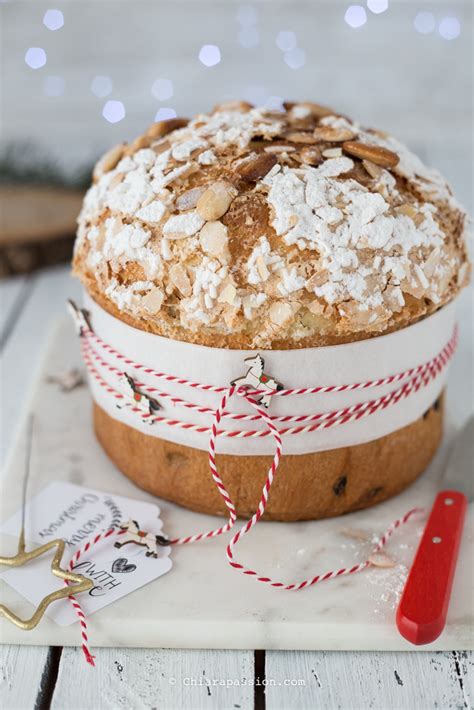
[113,111]
[249,37]
[35,57]
[53,19]
[449,28]
[295,58]
[424,22]
[247,15]
[162,89]
[102,85]
[165,113]
[53,86]
[286,40]
[377,6]
[209,55]
[355,16]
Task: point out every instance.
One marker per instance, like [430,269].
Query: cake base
[306,487]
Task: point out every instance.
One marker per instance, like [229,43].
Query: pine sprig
[25,163]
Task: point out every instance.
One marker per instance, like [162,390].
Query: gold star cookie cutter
[22,557]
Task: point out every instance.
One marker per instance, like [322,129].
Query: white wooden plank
[356,681]
[138,679]
[22,353]
[21,670]
[13,292]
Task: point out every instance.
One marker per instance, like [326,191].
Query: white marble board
[202,602]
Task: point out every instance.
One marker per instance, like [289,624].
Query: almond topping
[280,312]
[189,199]
[262,268]
[256,166]
[381,559]
[242,106]
[356,534]
[300,137]
[153,300]
[374,153]
[228,294]
[215,201]
[332,153]
[316,110]
[407,210]
[316,308]
[311,156]
[179,278]
[333,135]
[213,238]
[162,128]
[375,171]
[280,149]
[139,143]
[160,146]
[317,279]
[108,161]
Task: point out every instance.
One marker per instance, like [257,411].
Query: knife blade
[421,613]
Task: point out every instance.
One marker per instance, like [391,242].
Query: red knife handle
[421,614]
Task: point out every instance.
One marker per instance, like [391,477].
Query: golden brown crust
[306,487]
[238,340]
[251,229]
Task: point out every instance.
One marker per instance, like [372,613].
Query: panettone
[255,230]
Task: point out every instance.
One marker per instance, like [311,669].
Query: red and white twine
[412,380]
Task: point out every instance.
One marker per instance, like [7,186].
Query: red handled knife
[421,614]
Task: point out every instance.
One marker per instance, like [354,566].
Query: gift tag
[118,565]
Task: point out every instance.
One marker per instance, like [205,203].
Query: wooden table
[135,679]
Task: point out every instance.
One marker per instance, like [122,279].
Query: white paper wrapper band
[362,361]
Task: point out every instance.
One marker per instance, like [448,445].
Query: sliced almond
[280,149]
[256,166]
[280,313]
[116,180]
[228,294]
[332,153]
[189,199]
[213,238]
[139,143]
[407,210]
[215,201]
[161,146]
[300,137]
[242,106]
[316,110]
[381,559]
[332,135]
[262,268]
[153,300]
[311,156]
[317,279]
[375,171]
[179,278]
[108,161]
[162,128]
[356,534]
[316,308]
[376,154]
